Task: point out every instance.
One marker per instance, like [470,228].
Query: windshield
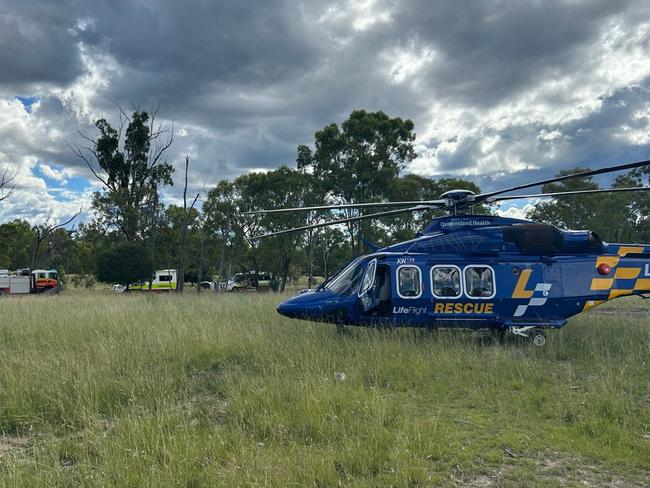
[347,282]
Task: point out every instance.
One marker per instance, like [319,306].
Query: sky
[500,91]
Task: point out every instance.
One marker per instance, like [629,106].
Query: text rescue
[466,308]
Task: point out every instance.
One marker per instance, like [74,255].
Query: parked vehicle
[164,280]
[24,281]
[249,282]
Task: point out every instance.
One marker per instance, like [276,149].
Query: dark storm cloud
[245,82]
[186,54]
[491,50]
[36,45]
[617,132]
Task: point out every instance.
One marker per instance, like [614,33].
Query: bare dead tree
[181,260]
[41,233]
[201,256]
[153,232]
[6,184]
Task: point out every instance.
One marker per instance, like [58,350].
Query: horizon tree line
[362,160]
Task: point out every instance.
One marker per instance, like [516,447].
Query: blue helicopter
[477,271]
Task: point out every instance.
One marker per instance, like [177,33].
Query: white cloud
[517,210]
[493,91]
[28,139]
[60,175]
[614,60]
[80,97]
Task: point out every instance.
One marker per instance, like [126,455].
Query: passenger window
[479,282]
[409,282]
[445,281]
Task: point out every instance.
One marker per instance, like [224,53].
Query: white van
[164,280]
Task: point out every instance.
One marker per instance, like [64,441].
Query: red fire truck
[23,281]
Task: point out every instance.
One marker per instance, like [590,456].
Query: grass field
[99,389]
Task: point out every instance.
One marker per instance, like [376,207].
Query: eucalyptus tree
[227,214]
[124,263]
[359,161]
[16,239]
[615,216]
[130,163]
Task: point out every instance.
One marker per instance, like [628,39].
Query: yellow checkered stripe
[625,281]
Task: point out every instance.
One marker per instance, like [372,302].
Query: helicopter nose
[293,308]
[286,309]
[309,306]
[302,306]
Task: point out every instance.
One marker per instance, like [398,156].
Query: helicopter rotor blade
[418,208]
[610,169]
[440,203]
[563,193]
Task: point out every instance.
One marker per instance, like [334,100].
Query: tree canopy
[126,263]
[364,159]
[131,168]
[616,217]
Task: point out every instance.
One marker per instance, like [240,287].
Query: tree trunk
[310,258]
[325,264]
[35,246]
[181,260]
[153,232]
[201,258]
[255,272]
[223,275]
[350,226]
[285,276]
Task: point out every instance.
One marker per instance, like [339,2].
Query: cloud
[36,48]
[58,175]
[516,210]
[500,91]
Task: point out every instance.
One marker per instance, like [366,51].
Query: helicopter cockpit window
[445,281]
[409,282]
[368,277]
[348,281]
[479,282]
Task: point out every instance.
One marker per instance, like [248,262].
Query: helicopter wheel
[539,338]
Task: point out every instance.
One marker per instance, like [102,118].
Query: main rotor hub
[457,195]
[458,199]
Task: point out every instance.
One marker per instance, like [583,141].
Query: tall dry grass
[99,389]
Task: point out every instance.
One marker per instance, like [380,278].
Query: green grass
[100,389]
